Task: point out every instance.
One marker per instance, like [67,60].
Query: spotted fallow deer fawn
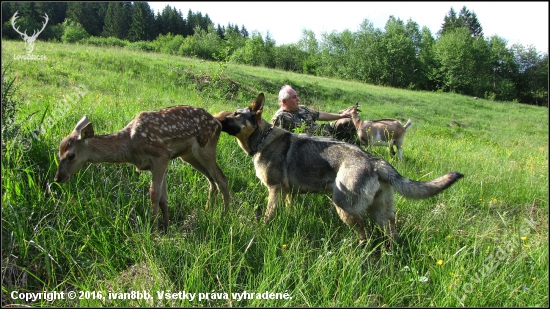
[149,142]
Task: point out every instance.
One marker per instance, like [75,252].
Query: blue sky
[517,22]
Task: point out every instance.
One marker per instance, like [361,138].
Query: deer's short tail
[408,124]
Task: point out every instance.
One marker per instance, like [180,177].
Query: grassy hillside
[483,242]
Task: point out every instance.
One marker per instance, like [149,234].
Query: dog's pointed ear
[258,103]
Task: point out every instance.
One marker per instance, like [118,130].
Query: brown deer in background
[149,142]
[383,132]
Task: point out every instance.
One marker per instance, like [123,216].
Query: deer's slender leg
[163,203]
[207,158]
[158,170]
[203,162]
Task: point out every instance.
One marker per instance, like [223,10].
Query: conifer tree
[142,22]
[117,20]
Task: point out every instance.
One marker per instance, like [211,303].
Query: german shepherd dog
[289,163]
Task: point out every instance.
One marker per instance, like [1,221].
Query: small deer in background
[149,142]
[383,132]
[29,40]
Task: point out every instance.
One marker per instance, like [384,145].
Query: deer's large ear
[81,123]
[258,103]
[87,132]
[84,128]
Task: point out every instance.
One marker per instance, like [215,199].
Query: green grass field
[482,242]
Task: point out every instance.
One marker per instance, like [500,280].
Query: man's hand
[345,115]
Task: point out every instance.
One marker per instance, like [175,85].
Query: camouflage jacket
[290,121]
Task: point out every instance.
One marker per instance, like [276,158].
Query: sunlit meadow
[482,242]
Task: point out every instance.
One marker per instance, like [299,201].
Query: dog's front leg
[272,204]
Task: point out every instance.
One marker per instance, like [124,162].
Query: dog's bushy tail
[411,188]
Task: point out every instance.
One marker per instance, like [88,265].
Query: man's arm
[329,116]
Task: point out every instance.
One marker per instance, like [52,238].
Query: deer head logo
[29,40]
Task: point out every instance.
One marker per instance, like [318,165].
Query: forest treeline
[458,58]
